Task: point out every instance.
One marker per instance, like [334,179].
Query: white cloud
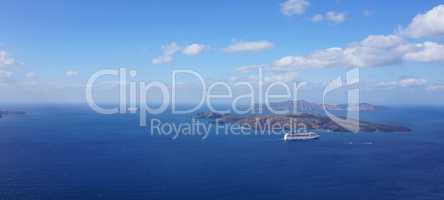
[336,17]
[430,23]
[319,59]
[30,79]
[193,49]
[332,16]
[248,68]
[5,75]
[317,18]
[294,7]
[171,49]
[435,87]
[382,41]
[30,75]
[168,51]
[387,84]
[282,77]
[5,59]
[373,51]
[405,82]
[412,82]
[6,62]
[248,46]
[426,52]
[71,73]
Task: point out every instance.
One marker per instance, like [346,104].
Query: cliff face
[307,121]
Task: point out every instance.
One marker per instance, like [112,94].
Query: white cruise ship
[301,136]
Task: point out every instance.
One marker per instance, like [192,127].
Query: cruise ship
[301,136]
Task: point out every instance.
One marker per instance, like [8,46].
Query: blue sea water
[70,152]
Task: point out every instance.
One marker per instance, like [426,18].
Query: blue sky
[62,43]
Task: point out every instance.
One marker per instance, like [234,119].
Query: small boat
[301,136]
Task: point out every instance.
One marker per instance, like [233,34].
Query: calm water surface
[69,152]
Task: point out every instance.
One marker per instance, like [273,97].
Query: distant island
[4,113]
[302,106]
[309,121]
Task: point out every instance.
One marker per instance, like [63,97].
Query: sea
[71,152]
